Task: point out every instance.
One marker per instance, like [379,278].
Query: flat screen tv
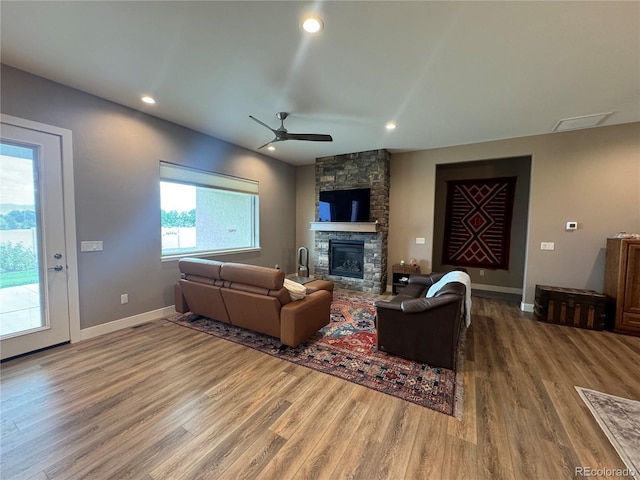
[344,205]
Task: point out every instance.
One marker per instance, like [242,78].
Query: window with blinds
[206,213]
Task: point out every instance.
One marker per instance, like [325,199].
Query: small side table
[400,271]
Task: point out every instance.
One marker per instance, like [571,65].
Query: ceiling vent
[575,123]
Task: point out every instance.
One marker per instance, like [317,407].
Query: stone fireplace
[357,170]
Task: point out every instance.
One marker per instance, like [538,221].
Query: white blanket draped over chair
[460,277]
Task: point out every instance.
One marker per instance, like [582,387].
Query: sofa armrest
[424,279]
[180,302]
[417,305]
[388,304]
[302,318]
[428,279]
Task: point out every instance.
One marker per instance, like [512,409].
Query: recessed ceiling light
[271,148]
[148,99]
[312,25]
[391,125]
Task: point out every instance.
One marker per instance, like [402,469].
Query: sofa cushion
[263,277]
[200,267]
[256,312]
[204,299]
[413,290]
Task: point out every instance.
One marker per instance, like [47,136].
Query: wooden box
[570,306]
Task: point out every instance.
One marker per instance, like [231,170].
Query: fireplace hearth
[346,258]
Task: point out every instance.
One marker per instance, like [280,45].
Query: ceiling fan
[281,134]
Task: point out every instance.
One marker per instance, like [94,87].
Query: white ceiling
[448,73]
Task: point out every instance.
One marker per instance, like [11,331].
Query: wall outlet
[547,246]
[482,273]
[124,298]
[420,240]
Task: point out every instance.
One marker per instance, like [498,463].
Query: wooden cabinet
[622,284]
[398,272]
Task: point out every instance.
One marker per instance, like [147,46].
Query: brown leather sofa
[251,297]
[423,329]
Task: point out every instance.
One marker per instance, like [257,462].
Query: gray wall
[306,209]
[590,176]
[116,153]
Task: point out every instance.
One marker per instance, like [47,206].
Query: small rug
[619,419]
[346,348]
[478,222]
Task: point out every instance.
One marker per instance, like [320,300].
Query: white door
[34,261]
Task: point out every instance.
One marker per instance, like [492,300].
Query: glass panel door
[34,275]
[20,253]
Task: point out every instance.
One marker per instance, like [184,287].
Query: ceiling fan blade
[261,123]
[313,137]
[277,139]
[268,143]
[282,134]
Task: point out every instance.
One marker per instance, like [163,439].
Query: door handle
[57,268]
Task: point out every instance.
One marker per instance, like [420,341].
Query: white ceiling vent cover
[586,121]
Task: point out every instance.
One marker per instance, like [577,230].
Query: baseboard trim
[496,288]
[91,332]
[526,307]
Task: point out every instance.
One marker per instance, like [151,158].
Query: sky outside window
[16,181]
[178,197]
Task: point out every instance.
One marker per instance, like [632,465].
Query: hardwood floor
[162,401]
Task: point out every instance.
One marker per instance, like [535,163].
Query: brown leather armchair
[422,329]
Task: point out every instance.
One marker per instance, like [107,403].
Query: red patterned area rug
[346,348]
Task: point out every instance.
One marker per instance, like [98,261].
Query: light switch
[95,246]
[547,246]
[420,240]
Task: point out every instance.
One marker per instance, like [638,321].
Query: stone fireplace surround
[356,170]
